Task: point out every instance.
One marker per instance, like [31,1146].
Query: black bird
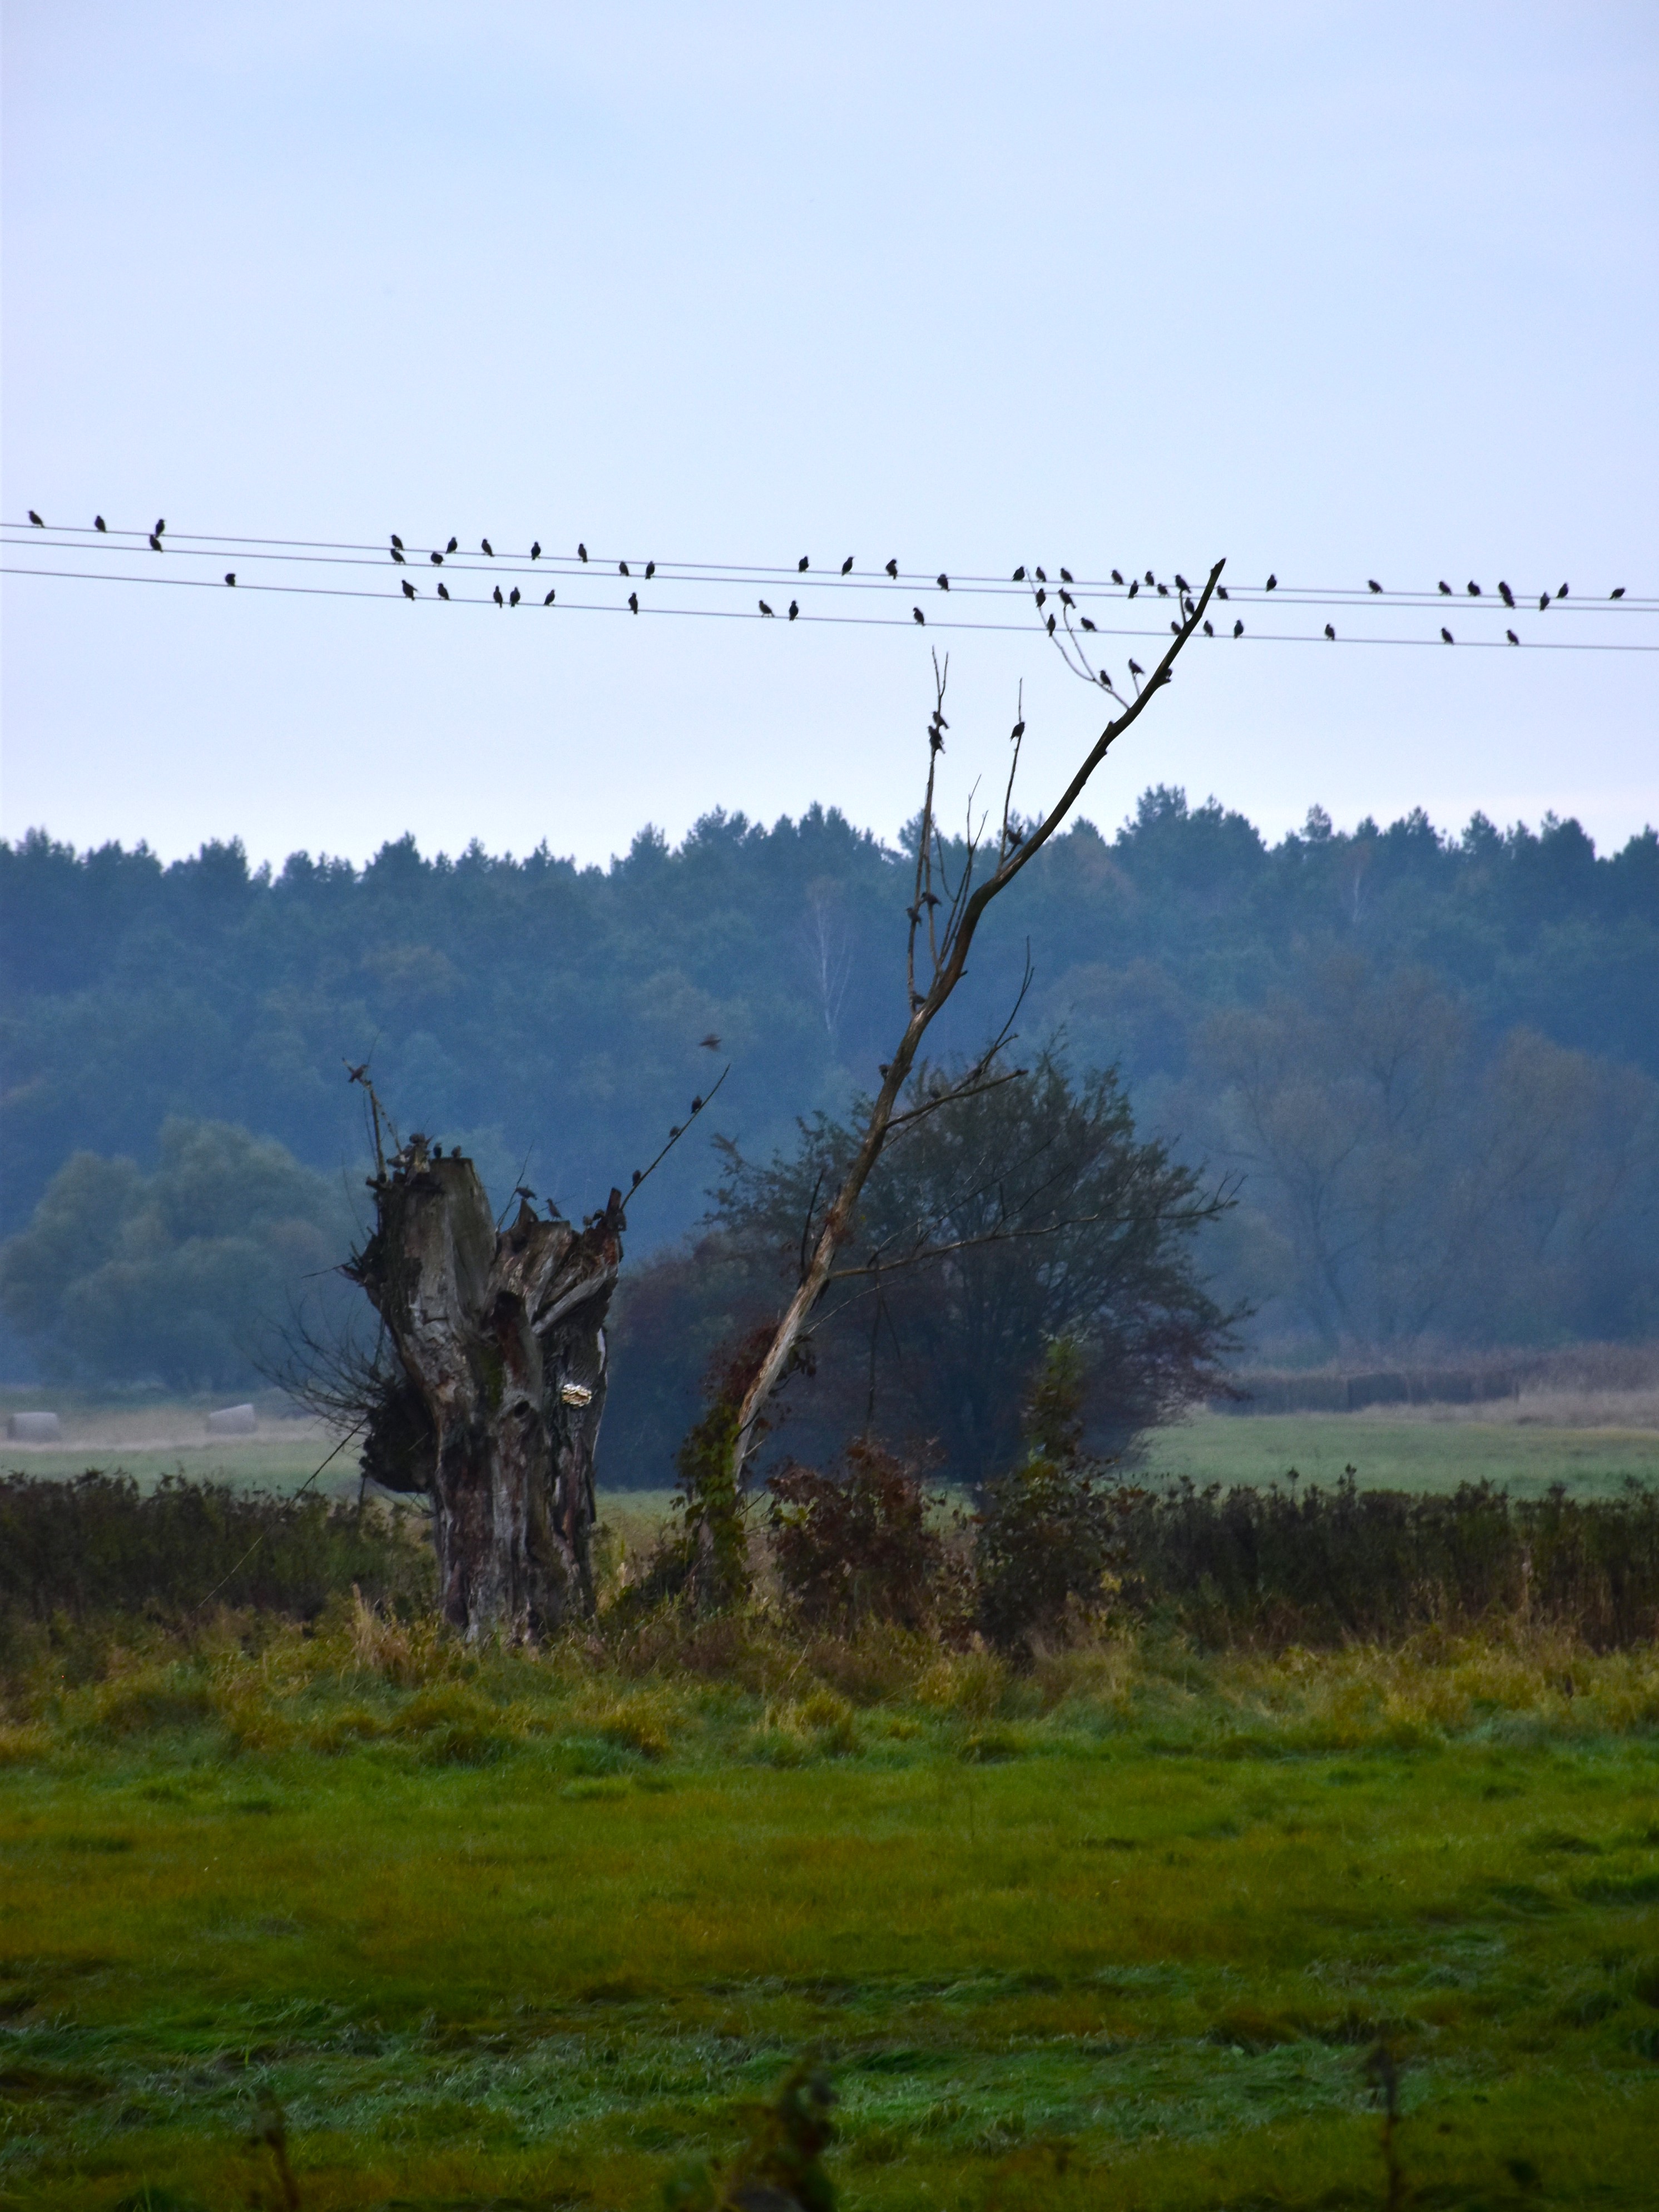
[524,1190]
[638,1178]
[437,1151]
[1134,587]
[1176,626]
[802,564]
[943,580]
[436,559]
[161,529]
[918,614]
[650,570]
[892,570]
[155,541]
[1506,595]
[696,1105]
[1066,600]
[847,565]
[512,598]
[633,602]
[536,549]
[230,575]
[1103,678]
[1238,630]
[1066,577]
[443,590]
[1151,579]
[1085,620]
[1445,589]
[1209,630]
[1163,591]
[1273,583]
[1041,597]
[99,523]
[1543,601]
[622,567]
[1116,579]
[710,1044]
[1182,585]
[500,601]
[548,600]
[1562,592]
[409,589]
[1473,590]
[1617,593]
[1019,573]
[396,555]
[454,546]
[1135,669]
[794,609]
[1016,732]
[1041,575]
[1447,634]
[765,609]
[487,547]
[582,552]
[1371,584]
[1188,606]
[1329,632]
[1511,636]
[397,541]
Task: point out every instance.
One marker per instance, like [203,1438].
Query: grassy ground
[1119,1932]
[148,1440]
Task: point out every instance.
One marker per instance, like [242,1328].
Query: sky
[1329,292]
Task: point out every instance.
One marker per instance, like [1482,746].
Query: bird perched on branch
[409,589]
[892,570]
[1016,732]
[1066,599]
[765,609]
[1135,669]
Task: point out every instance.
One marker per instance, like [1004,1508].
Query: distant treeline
[1432,1058]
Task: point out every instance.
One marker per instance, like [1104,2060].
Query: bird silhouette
[500,601]
[847,565]
[454,546]
[513,597]
[1066,577]
[633,602]
[443,590]
[1085,620]
[436,559]
[1511,636]
[396,555]
[155,541]
[161,529]
[794,609]
[1116,579]
[409,589]
[1543,601]
[1176,628]
[765,609]
[1561,592]
[1151,579]
[523,1190]
[710,1044]
[943,580]
[1134,588]
[918,615]
[1019,573]
[397,541]
[1209,630]
[536,549]
[1505,594]
[1447,634]
[487,547]
[1041,597]
[1135,669]
[99,523]
[622,567]
[1473,589]
[1617,593]
[582,552]
[548,600]
[802,564]
[1329,632]
[1273,583]
[1016,732]
[1371,584]
[1041,575]
[230,576]
[1163,591]
[1238,630]
[1066,600]
[892,570]
[1445,589]
[1182,585]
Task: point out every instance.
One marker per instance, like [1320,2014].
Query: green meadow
[1120,1930]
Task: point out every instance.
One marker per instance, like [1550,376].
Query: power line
[897,620]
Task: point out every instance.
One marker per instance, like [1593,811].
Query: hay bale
[233,1421]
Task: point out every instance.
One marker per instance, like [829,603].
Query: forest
[1418,1072]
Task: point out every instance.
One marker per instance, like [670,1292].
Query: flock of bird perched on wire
[1112,604]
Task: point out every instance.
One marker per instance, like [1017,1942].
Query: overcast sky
[1333,291]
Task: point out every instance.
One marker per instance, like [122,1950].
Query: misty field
[1119,1930]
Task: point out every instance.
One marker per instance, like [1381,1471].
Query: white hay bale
[233,1421]
[35,1429]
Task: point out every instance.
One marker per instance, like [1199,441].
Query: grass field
[1118,1932]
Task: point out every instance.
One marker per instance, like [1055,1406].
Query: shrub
[856,1546]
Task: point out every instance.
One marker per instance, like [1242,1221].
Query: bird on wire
[918,615]
[443,590]
[536,549]
[794,609]
[1221,590]
[513,597]
[396,554]
[1561,591]
[1505,594]
[1087,624]
[1447,634]
[1618,592]
[1330,633]
[397,542]
[155,542]
[1041,575]
[633,602]
[1209,630]
[1273,583]
[1066,577]
[1116,579]
[36,520]
[1163,591]
[454,546]
[765,609]
[943,580]
[892,570]
[436,559]
[1134,589]
[1042,597]
[1174,627]
[409,589]
[847,565]
[650,570]
[1473,589]
[1066,599]
[548,600]
[230,576]
[500,601]
[622,567]
[1371,584]
[1238,630]
[1511,636]
[1445,589]
[161,528]
[485,546]
[1182,585]
[99,523]
[581,553]
[1543,601]
[1019,573]
[803,565]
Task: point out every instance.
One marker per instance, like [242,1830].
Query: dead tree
[941,934]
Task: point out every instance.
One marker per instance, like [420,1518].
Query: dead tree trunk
[493,1407]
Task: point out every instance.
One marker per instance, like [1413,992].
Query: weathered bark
[496,1411]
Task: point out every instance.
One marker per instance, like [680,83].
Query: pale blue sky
[1335,291]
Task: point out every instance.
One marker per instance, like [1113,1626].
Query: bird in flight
[710,1044]
[892,570]
[409,589]
[847,565]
